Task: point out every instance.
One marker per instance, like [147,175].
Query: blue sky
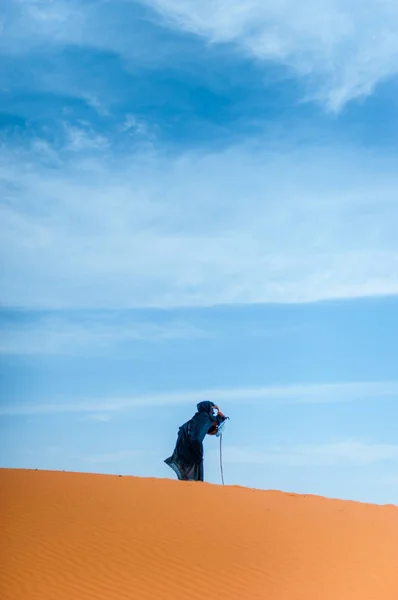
[200,201]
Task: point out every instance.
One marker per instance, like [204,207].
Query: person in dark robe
[187,458]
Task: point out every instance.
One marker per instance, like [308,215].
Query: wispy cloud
[136,125]
[90,223]
[117,27]
[100,417]
[342,453]
[82,137]
[93,334]
[289,394]
[343,49]
[198,228]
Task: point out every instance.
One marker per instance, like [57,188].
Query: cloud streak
[57,335]
[342,453]
[323,393]
[343,49]
[109,217]
[197,228]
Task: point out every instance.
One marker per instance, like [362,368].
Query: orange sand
[74,536]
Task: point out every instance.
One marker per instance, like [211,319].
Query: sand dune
[73,536]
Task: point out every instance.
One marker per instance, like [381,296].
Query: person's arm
[218,420]
[220,415]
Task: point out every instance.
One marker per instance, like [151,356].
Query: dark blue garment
[187,458]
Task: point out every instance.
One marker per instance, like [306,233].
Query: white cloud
[96,104]
[100,417]
[135,125]
[94,334]
[289,394]
[252,224]
[27,22]
[30,26]
[342,453]
[83,138]
[344,47]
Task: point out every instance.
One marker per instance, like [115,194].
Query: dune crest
[82,536]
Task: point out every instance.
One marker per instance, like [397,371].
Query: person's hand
[220,414]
